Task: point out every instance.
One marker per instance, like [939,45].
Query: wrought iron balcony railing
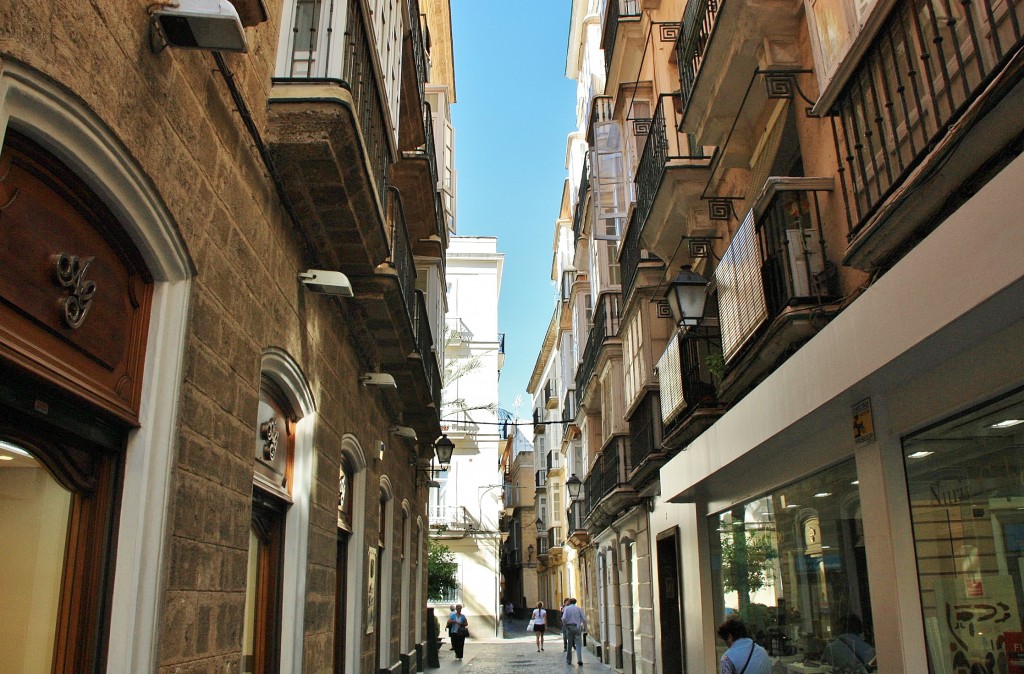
[605,475]
[579,213]
[698,23]
[428,145]
[361,77]
[776,259]
[451,518]
[421,323]
[575,516]
[632,254]
[541,479]
[617,9]
[929,61]
[644,430]
[685,380]
[664,147]
[606,325]
[401,259]
[419,55]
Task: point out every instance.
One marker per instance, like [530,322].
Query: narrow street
[516,652]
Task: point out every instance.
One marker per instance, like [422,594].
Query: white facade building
[466,506]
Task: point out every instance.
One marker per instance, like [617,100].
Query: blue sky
[514,110]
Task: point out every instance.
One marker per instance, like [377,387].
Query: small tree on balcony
[441,570]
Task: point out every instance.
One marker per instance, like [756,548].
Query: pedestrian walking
[458,630]
[565,637]
[538,621]
[451,614]
[743,656]
[573,622]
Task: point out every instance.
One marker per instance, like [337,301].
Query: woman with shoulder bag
[458,630]
[538,621]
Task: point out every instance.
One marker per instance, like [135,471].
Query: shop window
[966,483]
[792,565]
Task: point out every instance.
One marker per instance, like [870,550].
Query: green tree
[441,570]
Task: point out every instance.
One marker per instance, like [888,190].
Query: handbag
[529,626]
[463,631]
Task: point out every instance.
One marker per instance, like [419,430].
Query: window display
[792,566]
[966,484]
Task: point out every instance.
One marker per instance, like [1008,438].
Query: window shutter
[741,303]
[670,381]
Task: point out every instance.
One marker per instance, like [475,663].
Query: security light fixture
[378,379]
[404,432]
[327,282]
[444,448]
[199,24]
[686,295]
[574,485]
[1007,423]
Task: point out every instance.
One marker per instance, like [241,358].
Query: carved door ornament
[70,272]
[272,435]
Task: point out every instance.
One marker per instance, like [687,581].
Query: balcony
[606,326]
[579,537]
[670,177]
[415,176]
[538,423]
[328,136]
[541,479]
[580,211]
[687,385]
[775,281]
[929,105]
[645,448]
[715,65]
[501,350]
[451,518]
[606,493]
[414,79]
[633,258]
[624,14]
[555,541]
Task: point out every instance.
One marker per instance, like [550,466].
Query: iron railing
[776,259]
[579,214]
[428,145]
[686,382]
[699,19]
[664,146]
[401,253]
[541,479]
[421,324]
[450,517]
[555,539]
[605,475]
[501,342]
[631,255]
[644,434]
[419,54]
[575,516]
[366,91]
[617,9]
[434,377]
[929,61]
[606,325]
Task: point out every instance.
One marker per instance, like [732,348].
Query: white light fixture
[855,482]
[822,494]
[13,449]
[790,506]
[686,295]
[6,458]
[200,24]
[378,379]
[404,432]
[1007,423]
[327,282]
[919,455]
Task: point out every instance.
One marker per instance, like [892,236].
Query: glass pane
[792,566]
[966,483]
[33,534]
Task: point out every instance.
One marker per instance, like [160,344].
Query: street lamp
[686,294]
[444,448]
[574,485]
[540,526]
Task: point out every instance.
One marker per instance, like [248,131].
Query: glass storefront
[966,483]
[792,565]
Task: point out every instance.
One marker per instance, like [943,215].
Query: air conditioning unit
[200,24]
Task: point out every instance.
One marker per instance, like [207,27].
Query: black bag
[463,631]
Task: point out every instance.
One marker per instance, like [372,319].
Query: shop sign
[863,423]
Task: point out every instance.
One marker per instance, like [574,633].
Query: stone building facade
[192,418]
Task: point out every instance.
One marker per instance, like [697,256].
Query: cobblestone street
[516,652]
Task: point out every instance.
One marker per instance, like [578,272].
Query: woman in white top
[540,621]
